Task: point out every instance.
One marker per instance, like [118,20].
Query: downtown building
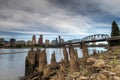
[40,40]
[33,40]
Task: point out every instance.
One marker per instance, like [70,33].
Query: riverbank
[11,52]
[99,66]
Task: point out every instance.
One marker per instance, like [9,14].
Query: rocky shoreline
[99,66]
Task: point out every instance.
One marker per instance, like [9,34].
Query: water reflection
[11,57]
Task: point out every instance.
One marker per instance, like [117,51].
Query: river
[12,61]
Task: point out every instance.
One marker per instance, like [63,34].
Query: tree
[115,29]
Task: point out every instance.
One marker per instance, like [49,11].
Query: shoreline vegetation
[98,66]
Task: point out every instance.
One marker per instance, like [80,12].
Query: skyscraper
[34,40]
[40,41]
[59,39]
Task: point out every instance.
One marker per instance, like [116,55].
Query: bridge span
[87,39]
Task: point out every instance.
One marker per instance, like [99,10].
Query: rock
[91,60]
[108,66]
[112,57]
[118,56]
[53,61]
[99,64]
[112,74]
[46,73]
[107,73]
[101,77]
[93,76]
[82,78]
[117,69]
[61,73]
[116,78]
[75,74]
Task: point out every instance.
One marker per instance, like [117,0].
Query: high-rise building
[34,40]
[59,39]
[12,41]
[56,40]
[40,41]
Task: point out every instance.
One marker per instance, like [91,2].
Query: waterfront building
[7,44]
[40,41]
[34,40]
[59,39]
[29,42]
[54,42]
[12,41]
[47,42]
[20,42]
[2,42]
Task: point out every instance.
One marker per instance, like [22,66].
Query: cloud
[22,15]
[113,7]
[55,17]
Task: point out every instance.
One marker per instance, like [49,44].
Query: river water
[12,66]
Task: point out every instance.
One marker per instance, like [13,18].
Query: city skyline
[72,19]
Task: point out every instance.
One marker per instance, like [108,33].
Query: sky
[72,19]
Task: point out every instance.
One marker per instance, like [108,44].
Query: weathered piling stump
[66,60]
[30,63]
[53,61]
[42,61]
[85,52]
[62,65]
[37,54]
[76,55]
[71,51]
[74,65]
[94,52]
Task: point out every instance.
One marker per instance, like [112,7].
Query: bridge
[90,38]
[87,39]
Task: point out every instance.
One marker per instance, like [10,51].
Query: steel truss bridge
[87,39]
